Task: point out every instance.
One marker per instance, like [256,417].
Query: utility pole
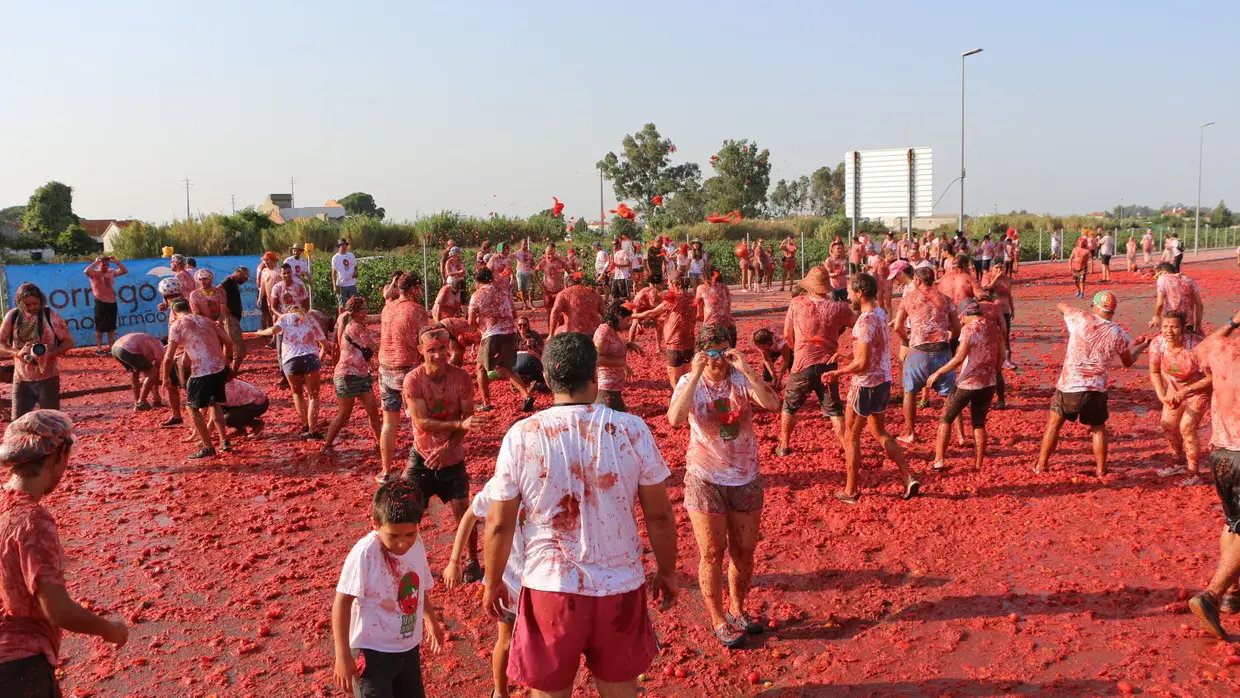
[602,208]
[292,183]
[187,186]
[233,199]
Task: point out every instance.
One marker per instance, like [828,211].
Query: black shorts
[498,351]
[870,401]
[611,398]
[244,415]
[134,363]
[1226,467]
[448,483]
[854,268]
[977,400]
[1106,260]
[391,674]
[30,677]
[204,391]
[678,357]
[105,316]
[799,384]
[1089,406]
[620,288]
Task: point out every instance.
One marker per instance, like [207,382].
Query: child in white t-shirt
[452,576]
[381,601]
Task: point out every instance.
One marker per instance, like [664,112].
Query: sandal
[911,488]
[382,478]
[730,637]
[1230,603]
[1205,607]
[938,466]
[848,498]
[923,404]
[204,452]
[744,623]
[226,446]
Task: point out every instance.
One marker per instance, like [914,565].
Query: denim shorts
[918,366]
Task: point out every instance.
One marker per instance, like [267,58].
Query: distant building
[112,232]
[279,208]
[897,223]
[1178,212]
[1099,215]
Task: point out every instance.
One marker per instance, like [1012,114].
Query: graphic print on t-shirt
[407,600]
[437,408]
[729,414]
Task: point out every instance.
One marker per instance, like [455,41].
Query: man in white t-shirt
[602,265]
[344,273]
[579,469]
[1106,250]
[301,267]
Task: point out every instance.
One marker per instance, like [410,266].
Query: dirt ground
[995,582]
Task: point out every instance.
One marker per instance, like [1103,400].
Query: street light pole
[963,56]
[1201,141]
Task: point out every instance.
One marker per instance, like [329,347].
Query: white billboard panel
[881,183]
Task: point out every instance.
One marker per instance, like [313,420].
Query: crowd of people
[561,555]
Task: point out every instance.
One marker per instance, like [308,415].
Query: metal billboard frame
[890,182]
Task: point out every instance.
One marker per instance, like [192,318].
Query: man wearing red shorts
[585,585]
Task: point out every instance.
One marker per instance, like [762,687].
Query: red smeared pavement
[992,583]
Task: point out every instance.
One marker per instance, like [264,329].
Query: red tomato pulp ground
[998,582]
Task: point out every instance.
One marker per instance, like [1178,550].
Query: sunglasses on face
[714,354]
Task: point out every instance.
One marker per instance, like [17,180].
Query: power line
[188,184]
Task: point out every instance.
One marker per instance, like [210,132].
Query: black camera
[37,350]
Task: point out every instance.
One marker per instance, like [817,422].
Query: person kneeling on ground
[142,356]
[243,404]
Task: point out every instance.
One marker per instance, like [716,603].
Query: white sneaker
[1009,366]
[1172,471]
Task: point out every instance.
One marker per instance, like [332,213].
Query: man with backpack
[35,336]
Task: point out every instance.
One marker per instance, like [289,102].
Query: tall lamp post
[1201,141]
[963,56]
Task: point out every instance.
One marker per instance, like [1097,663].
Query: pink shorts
[554,629]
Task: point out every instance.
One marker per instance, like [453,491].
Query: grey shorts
[344,293]
[868,401]
[525,282]
[44,393]
[708,498]
[1226,467]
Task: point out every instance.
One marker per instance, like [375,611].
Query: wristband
[1233,324]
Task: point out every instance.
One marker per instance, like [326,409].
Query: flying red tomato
[558,208]
[657,201]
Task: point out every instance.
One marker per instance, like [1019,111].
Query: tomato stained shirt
[1220,356]
[201,340]
[443,396]
[610,346]
[929,316]
[492,305]
[716,302]
[814,324]
[978,370]
[872,328]
[389,593]
[30,556]
[577,469]
[1093,343]
[723,449]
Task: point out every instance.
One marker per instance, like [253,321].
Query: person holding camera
[103,287]
[35,336]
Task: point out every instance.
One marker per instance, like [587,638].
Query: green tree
[644,170]
[781,199]
[688,205]
[12,214]
[75,240]
[361,204]
[742,177]
[826,190]
[1221,216]
[581,227]
[49,212]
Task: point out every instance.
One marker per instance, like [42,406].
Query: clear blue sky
[497,106]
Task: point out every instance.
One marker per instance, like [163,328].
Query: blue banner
[137,295]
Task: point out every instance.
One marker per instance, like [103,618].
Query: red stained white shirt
[837,269]
[351,362]
[447,302]
[142,344]
[20,328]
[400,322]
[30,555]
[553,273]
[872,328]
[814,325]
[1221,357]
[978,370]
[716,304]
[292,294]
[1093,343]
[389,593]
[201,340]
[103,284]
[1178,291]
[301,335]
[723,449]
[492,305]
[207,305]
[929,316]
[681,319]
[443,396]
[238,393]
[577,469]
[610,346]
[525,261]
